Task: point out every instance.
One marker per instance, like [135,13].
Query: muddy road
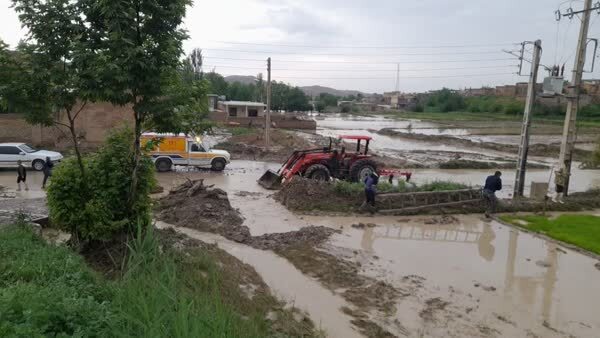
[459,276]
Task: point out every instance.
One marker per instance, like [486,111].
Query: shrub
[98,208]
[441,186]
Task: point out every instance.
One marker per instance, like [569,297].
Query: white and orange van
[173,149]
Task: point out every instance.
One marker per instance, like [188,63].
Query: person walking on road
[21,176]
[371,190]
[48,165]
[493,183]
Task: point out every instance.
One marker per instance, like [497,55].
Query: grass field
[49,291]
[580,230]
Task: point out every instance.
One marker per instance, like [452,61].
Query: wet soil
[538,149]
[303,195]
[194,205]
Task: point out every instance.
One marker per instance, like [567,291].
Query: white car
[10,153]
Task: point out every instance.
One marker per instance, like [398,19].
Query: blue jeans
[491,201]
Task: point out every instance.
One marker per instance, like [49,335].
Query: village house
[242,108]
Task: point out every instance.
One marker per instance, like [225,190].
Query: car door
[198,155]
[9,155]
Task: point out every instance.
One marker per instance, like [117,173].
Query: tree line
[284,97]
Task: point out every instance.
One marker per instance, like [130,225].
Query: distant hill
[308,90]
[316,90]
[244,79]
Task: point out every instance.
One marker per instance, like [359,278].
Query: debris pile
[195,205]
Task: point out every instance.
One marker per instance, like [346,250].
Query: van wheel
[218,164]
[163,165]
[38,165]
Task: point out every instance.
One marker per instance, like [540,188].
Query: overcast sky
[355,44]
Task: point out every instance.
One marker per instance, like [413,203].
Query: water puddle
[287,283]
[487,269]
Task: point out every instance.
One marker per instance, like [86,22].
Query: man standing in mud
[370,190]
[493,183]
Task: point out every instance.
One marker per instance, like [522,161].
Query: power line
[345,54]
[385,78]
[356,70]
[358,62]
[366,47]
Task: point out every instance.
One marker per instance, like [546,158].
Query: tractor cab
[359,141]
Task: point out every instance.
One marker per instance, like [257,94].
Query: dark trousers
[370,195]
[491,201]
[46,175]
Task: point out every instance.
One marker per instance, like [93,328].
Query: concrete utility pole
[524,146]
[570,128]
[268,115]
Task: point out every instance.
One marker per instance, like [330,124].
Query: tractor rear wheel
[317,172]
[361,169]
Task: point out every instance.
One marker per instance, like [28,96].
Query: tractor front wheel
[361,169]
[317,172]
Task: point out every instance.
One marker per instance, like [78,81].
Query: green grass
[353,188]
[580,230]
[48,290]
[237,131]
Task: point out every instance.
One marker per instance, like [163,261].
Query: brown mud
[204,208]
[538,149]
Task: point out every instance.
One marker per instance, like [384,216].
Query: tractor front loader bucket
[270,180]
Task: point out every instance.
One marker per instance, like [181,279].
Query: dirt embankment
[537,149]
[251,145]
[195,205]
[312,196]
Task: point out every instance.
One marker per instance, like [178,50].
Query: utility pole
[524,145]
[570,128]
[268,115]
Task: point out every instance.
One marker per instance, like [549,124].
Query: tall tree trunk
[76,145]
[137,154]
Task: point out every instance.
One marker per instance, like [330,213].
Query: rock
[371,225]
[208,205]
[597,265]
[359,225]
[489,288]
[543,264]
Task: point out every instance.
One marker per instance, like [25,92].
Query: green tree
[260,95]
[217,83]
[141,45]
[58,73]
[240,92]
[328,100]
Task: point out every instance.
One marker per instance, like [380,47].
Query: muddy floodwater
[483,278]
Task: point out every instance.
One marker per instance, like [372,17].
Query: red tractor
[325,163]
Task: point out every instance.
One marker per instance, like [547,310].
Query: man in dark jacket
[21,175]
[493,183]
[48,165]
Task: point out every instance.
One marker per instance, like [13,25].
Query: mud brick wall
[93,124]
[14,128]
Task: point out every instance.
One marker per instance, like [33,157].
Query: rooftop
[243,103]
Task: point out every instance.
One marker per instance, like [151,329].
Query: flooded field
[418,276]
[464,278]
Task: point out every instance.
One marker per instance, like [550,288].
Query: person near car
[370,189]
[21,175]
[493,183]
[48,165]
